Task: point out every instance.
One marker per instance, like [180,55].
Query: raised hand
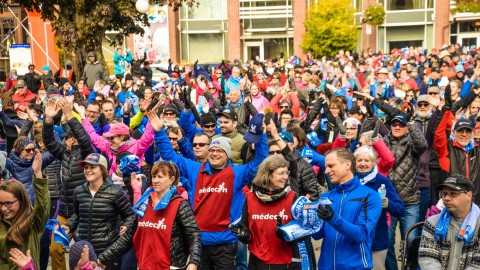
[51,110]
[19,258]
[37,164]
[155,121]
[31,115]
[22,115]
[340,125]
[80,110]
[278,232]
[84,258]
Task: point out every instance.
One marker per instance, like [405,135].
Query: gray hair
[366,150]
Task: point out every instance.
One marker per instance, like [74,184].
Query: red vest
[153,237]
[70,74]
[262,221]
[213,200]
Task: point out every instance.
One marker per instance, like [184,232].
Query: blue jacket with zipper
[348,236]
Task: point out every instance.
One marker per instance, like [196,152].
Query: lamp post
[142,6]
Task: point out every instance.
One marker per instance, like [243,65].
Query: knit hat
[224,143]
[206,119]
[91,53]
[459,68]
[69,64]
[62,81]
[76,253]
[45,68]
[22,144]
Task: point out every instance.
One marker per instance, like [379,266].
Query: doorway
[469,40]
[253,51]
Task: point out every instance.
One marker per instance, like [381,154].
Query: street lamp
[142,6]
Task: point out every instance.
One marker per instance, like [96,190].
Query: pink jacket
[384,155]
[260,102]
[137,148]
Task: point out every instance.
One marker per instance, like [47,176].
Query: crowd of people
[206,168]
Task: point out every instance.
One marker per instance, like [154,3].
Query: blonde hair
[266,168]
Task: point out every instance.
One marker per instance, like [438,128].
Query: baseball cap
[170,108]
[463,123]
[20,83]
[403,62]
[433,89]
[255,131]
[457,182]
[117,129]
[94,159]
[231,114]
[355,110]
[286,136]
[422,98]
[383,71]
[174,74]
[400,118]
[436,70]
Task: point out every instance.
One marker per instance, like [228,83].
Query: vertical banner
[42,41]
[154,41]
[20,57]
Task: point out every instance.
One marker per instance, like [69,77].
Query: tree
[80,25]
[330,27]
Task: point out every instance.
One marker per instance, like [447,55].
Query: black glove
[278,232]
[242,232]
[169,62]
[340,125]
[325,212]
[369,106]
[196,62]
[448,97]
[410,112]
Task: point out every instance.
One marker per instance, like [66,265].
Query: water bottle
[382,191]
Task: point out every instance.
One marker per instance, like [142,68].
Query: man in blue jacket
[351,219]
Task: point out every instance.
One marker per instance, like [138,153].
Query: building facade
[262,29]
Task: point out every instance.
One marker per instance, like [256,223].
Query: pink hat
[117,129]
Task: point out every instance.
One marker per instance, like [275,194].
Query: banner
[155,41]
[20,57]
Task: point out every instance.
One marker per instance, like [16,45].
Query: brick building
[248,29]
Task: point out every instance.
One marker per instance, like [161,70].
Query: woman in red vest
[167,234]
[267,208]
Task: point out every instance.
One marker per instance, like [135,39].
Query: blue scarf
[367,176]
[59,236]
[142,203]
[129,164]
[467,230]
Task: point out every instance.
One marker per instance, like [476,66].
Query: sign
[368,29]
[20,57]
[155,41]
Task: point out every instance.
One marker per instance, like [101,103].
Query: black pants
[436,178]
[218,257]
[255,264]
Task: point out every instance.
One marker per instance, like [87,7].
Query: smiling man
[459,155]
[450,239]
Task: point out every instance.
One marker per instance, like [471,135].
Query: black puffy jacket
[71,175]
[304,180]
[96,220]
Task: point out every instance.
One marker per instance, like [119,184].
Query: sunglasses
[29,150]
[433,93]
[284,107]
[200,144]
[173,139]
[278,152]
[169,113]
[218,73]
[423,104]
[397,125]
[209,126]
[274,78]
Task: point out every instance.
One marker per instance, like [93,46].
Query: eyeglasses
[433,93]
[452,194]
[278,152]
[209,126]
[168,113]
[351,129]
[422,104]
[284,107]
[287,173]
[111,138]
[259,73]
[298,77]
[397,125]
[274,78]
[29,150]
[200,144]
[173,139]
[7,204]
[410,95]
[216,151]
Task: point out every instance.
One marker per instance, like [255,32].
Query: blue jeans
[129,260]
[409,218]
[241,256]
[425,202]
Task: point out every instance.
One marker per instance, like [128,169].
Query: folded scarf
[367,176]
[59,236]
[270,196]
[467,230]
[129,164]
[142,203]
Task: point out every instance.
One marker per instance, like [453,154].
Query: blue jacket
[21,169]
[348,236]
[121,62]
[243,175]
[395,207]
[187,122]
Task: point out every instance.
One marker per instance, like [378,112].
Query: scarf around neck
[466,231]
[267,196]
[366,177]
[141,205]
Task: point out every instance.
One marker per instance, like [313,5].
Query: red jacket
[293,98]
[24,100]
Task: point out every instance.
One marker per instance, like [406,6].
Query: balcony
[249,11]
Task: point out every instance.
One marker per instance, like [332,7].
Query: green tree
[330,27]
[80,25]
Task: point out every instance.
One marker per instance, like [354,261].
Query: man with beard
[426,120]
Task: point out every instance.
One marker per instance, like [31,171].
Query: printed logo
[253,128]
[220,189]
[159,225]
[270,216]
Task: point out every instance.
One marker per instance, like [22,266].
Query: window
[408,4]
